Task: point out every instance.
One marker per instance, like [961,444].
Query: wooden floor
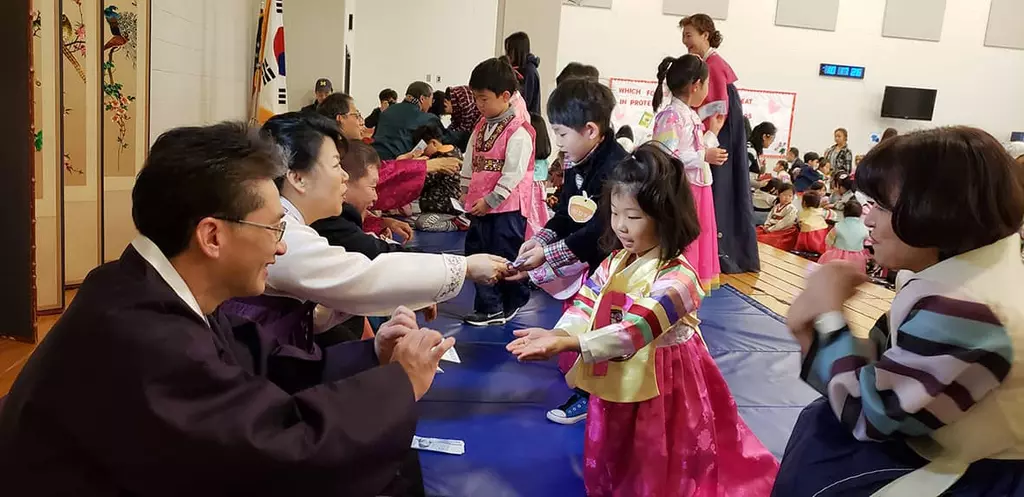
[781,279]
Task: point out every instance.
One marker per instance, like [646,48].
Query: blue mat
[497,405]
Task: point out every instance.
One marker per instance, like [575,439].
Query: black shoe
[511,314]
[486,319]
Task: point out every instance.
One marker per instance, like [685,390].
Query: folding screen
[80,32]
[48,159]
[125,120]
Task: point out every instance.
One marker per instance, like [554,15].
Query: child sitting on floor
[780,172]
[846,240]
[813,221]
[764,199]
[808,173]
[662,421]
[780,230]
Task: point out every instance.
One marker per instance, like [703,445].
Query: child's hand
[480,208]
[537,344]
[716,123]
[716,156]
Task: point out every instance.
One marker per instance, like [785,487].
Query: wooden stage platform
[781,279]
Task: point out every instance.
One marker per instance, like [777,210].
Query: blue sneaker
[573,411]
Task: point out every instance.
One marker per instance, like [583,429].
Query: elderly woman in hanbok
[314,272]
[929,402]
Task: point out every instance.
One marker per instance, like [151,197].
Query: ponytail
[678,75]
[659,92]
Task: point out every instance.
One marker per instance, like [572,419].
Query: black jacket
[584,239]
[531,83]
[346,231]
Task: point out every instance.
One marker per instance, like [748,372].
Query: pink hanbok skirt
[687,442]
[858,258]
[703,252]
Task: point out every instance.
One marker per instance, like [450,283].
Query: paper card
[451,356]
[458,206]
[444,446]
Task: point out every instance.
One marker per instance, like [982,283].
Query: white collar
[156,258]
[291,210]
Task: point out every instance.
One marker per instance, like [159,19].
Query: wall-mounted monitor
[908,103]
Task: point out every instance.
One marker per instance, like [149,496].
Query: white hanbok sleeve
[348,282]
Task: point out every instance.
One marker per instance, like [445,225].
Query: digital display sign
[842,71]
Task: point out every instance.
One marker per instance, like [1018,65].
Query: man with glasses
[393,135]
[144,387]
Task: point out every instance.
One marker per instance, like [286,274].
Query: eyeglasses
[279,229]
[355,114]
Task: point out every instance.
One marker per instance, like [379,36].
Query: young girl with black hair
[662,421]
[680,130]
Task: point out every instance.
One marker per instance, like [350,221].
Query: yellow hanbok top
[629,304]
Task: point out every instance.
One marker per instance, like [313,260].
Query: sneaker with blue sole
[571,412]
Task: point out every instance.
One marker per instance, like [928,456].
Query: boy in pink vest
[498,171]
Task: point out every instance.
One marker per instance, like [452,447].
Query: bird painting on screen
[69,39]
[122,34]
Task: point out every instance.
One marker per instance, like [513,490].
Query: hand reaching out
[486,269]
[398,227]
[537,344]
[448,165]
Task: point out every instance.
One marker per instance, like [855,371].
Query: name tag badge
[582,208]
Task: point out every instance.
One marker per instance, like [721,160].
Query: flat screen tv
[908,103]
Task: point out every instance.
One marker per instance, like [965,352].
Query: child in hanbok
[780,230]
[813,221]
[846,240]
[680,129]
[662,421]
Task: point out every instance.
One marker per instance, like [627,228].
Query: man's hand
[715,156]
[828,288]
[403,322]
[398,227]
[419,353]
[486,269]
[449,165]
[480,208]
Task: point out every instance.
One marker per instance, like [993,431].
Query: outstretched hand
[538,344]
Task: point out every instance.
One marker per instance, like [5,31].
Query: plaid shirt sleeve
[558,255]
[545,236]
